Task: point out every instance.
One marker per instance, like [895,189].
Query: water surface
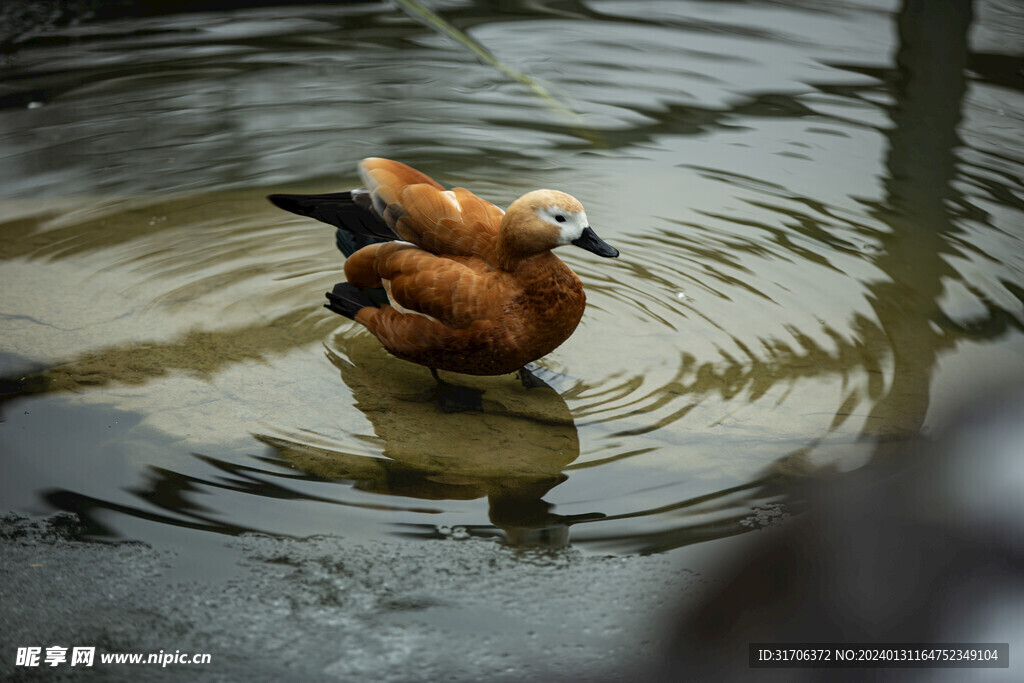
[820,222]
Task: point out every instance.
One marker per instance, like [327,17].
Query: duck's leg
[530,380]
[452,398]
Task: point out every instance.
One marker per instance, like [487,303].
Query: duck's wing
[351,212]
[450,291]
[446,222]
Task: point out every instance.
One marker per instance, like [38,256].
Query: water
[820,222]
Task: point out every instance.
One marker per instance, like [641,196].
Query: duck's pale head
[544,219]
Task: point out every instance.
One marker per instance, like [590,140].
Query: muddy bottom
[324,608]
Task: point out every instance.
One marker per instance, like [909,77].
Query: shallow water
[820,223]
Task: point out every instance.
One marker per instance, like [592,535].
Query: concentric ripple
[821,256]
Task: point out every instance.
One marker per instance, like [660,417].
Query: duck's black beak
[591,242]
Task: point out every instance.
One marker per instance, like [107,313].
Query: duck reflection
[512,453]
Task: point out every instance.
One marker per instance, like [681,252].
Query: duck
[446,279]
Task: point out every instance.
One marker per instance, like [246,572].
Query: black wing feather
[347,299]
[350,211]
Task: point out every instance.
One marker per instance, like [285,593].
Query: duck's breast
[550,304]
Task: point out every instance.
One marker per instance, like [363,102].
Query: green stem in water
[435,21]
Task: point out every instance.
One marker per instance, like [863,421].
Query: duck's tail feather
[351,212]
[349,242]
[346,299]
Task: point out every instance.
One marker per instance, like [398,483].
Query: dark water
[819,208]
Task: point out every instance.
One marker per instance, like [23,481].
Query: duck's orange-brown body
[482,321]
[470,288]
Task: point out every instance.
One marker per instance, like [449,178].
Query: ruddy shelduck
[448,280]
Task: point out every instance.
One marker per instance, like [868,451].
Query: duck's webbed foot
[530,380]
[453,398]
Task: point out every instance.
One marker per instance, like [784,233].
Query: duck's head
[544,219]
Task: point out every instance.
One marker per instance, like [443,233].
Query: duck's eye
[560,218]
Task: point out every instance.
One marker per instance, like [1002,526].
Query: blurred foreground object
[924,547]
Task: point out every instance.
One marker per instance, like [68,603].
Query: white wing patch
[399,307]
[450,196]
